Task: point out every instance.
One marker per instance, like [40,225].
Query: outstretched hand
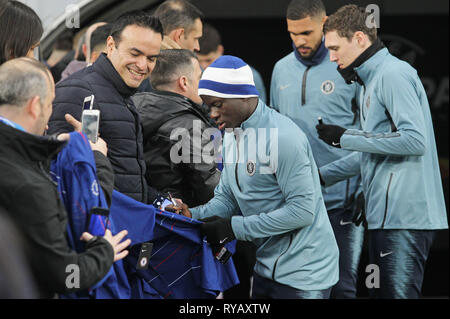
[115,241]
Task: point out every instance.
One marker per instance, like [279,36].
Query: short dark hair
[175,14]
[348,20]
[170,65]
[99,36]
[210,39]
[64,41]
[136,17]
[20,27]
[300,9]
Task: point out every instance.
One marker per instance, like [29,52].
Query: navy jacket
[120,124]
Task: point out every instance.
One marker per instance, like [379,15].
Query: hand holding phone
[100,146]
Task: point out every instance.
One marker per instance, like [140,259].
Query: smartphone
[90,120]
[161,202]
[88,103]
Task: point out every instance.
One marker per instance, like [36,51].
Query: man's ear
[176,34]
[34,107]
[84,49]
[110,45]
[361,38]
[183,83]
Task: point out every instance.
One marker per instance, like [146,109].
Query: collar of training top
[104,67]
[349,74]
[316,59]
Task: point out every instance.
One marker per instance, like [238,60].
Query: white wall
[49,10]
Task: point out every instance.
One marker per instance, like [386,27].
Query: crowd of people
[345,149]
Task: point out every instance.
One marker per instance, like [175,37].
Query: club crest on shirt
[251,168]
[327,87]
[143,262]
[94,188]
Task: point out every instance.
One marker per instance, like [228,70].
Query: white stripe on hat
[224,95]
[243,75]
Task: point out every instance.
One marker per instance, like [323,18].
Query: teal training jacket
[278,191]
[303,94]
[398,160]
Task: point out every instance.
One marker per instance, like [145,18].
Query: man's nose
[196,46]
[214,114]
[299,41]
[333,57]
[142,63]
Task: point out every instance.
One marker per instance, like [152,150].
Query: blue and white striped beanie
[228,77]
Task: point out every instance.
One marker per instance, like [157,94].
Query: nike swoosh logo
[345,223]
[282,87]
[223,240]
[335,144]
[385,254]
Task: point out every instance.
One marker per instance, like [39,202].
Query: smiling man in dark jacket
[132,50]
[172,111]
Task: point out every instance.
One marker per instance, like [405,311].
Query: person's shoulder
[79,78]
[144,99]
[285,126]
[394,71]
[286,62]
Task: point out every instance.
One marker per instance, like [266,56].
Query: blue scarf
[316,59]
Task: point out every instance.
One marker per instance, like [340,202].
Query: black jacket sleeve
[105,175]
[203,176]
[43,220]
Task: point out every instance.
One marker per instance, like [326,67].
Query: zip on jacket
[284,252]
[387,199]
[237,163]
[304,85]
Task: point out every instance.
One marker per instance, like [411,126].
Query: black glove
[217,230]
[359,211]
[330,134]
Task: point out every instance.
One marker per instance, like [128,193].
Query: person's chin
[133,83]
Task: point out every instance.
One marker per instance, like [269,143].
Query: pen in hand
[172,200]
